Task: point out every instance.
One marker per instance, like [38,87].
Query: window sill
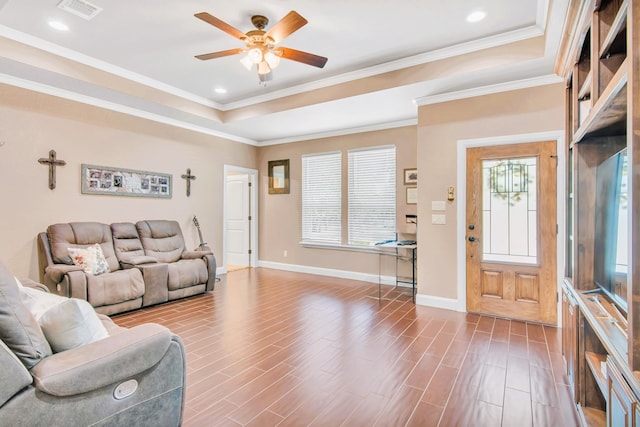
[339,247]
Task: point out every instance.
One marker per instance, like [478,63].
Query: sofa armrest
[107,361]
[33,284]
[57,271]
[194,254]
[66,280]
[156,277]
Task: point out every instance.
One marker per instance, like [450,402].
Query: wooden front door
[511,231]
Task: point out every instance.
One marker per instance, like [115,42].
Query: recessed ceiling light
[476,16]
[57,25]
[220,90]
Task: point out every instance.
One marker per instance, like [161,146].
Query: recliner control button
[125,389]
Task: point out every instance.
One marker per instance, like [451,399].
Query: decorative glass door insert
[509,210]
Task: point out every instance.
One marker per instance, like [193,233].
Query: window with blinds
[322,198]
[372,195]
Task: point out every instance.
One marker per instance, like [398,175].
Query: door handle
[473,239]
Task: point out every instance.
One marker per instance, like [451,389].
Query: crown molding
[341,132]
[439,54]
[488,90]
[423,58]
[89,61]
[101,103]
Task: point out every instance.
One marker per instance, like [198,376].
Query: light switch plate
[438,205]
[438,219]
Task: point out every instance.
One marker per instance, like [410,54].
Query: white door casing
[250,207]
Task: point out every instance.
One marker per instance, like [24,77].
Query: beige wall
[280,214]
[31,124]
[440,127]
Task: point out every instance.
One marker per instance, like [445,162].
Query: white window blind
[322,197]
[372,195]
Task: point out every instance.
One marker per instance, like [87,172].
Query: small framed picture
[412,195]
[279,176]
[410,176]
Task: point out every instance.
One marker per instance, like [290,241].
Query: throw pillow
[38,302]
[19,330]
[91,259]
[70,324]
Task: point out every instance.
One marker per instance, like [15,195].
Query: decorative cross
[189,178]
[52,162]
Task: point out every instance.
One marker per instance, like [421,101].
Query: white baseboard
[439,302]
[342,274]
[221,270]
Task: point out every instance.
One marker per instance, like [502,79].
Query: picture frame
[113,181]
[279,176]
[412,195]
[411,176]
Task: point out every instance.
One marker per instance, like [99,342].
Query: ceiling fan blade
[220,54]
[304,57]
[210,19]
[287,25]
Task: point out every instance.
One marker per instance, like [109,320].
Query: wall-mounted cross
[52,162]
[189,178]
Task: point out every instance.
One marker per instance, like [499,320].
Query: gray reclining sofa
[148,264]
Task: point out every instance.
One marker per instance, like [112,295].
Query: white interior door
[237,220]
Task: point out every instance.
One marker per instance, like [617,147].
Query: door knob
[472,239]
[472,226]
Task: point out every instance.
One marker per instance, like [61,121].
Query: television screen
[610,265]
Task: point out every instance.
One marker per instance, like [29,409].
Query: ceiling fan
[260,45]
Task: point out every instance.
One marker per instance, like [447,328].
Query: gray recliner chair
[133,377]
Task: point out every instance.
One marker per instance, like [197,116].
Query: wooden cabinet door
[621,403]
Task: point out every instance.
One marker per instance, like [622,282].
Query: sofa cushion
[71,324]
[126,241]
[161,239]
[91,259]
[186,273]
[19,330]
[81,234]
[115,287]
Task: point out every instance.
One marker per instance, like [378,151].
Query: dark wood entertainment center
[600,61]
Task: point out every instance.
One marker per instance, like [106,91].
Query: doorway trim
[253,241]
[461,183]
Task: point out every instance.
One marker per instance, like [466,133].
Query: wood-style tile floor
[269,348]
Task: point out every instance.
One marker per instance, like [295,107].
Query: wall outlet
[285,254]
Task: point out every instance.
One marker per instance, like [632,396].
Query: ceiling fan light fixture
[247,62]
[264,78]
[272,59]
[263,68]
[260,45]
[255,55]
